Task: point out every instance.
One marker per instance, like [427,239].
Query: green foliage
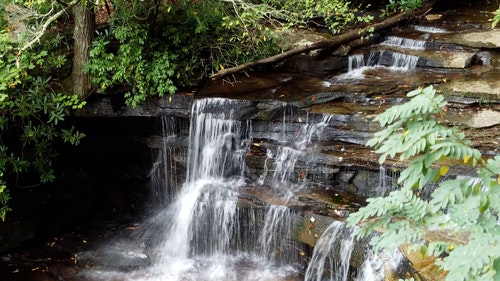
[496,18]
[152,49]
[31,113]
[139,62]
[4,198]
[463,210]
[184,42]
[401,5]
[335,15]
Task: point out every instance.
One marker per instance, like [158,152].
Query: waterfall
[201,222]
[403,62]
[214,150]
[276,231]
[203,234]
[209,232]
[380,60]
[406,43]
[163,174]
[289,154]
[204,210]
[332,258]
[331,255]
[430,29]
[355,62]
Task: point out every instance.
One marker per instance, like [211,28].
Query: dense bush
[31,113]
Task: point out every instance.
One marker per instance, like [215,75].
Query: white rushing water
[355,62]
[331,256]
[406,43]
[283,179]
[163,174]
[201,235]
[430,29]
[381,61]
[204,235]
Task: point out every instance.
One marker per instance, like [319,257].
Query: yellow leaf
[466,159]
[221,66]
[264,38]
[498,179]
[442,158]
[406,132]
[443,170]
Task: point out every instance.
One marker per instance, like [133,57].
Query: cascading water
[430,29]
[332,259]
[204,234]
[275,233]
[382,60]
[406,43]
[288,154]
[207,234]
[164,176]
[355,62]
[201,221]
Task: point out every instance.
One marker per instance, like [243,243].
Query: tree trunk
[83,35]
[335,42]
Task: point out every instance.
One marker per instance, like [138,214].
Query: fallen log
[335,42]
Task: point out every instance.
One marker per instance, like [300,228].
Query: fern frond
[467,207]
[471,261]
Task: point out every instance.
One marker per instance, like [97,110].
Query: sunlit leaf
[443,170]
[466,159]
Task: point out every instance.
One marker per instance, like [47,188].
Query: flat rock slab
[447,59]
[487,39]
[484,119]
[481,89]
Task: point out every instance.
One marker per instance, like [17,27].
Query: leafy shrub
[463,210]
[31,115]
[401,5]
[184,42]
[496,18]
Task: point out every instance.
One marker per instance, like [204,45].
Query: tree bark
[83,34]
[335,42]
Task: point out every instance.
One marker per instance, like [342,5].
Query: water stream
[205,233]
[331,256]
[381,62]
[284,179]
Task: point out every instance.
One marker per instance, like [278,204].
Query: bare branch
[336,41]
[42,31]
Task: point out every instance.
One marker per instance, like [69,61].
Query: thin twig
[43,30]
